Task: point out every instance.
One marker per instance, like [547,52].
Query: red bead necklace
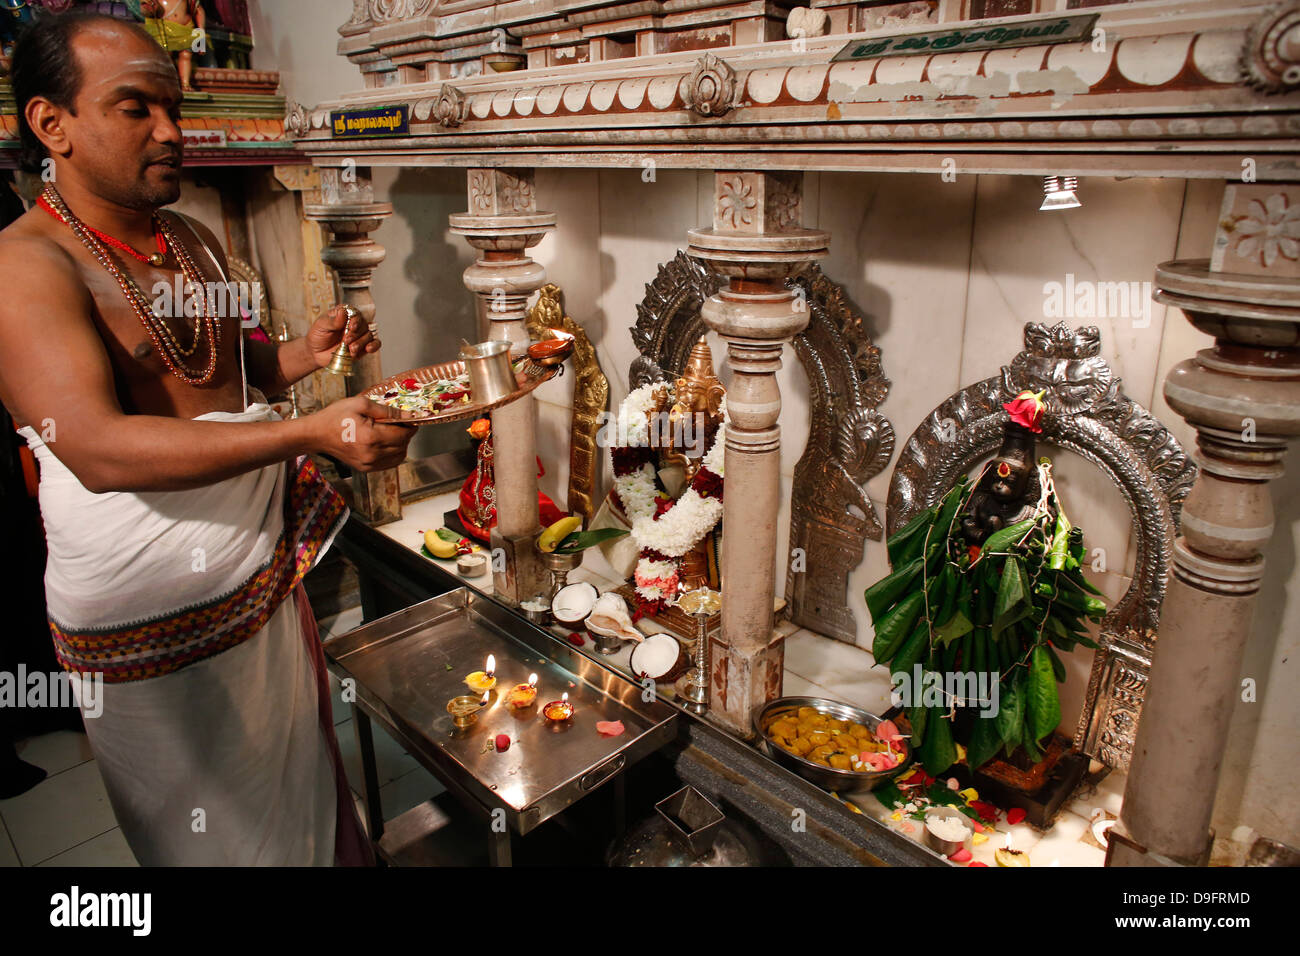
[153,259]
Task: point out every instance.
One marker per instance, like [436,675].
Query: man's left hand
[325,333]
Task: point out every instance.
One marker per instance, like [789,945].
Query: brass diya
[464,710]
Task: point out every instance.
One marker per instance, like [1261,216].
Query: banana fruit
[550,538]
[438,547]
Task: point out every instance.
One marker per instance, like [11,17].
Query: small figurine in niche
[177,25]
[1008,489]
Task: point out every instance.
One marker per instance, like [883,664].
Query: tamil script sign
[1074,29]
[375,121]
[204,138]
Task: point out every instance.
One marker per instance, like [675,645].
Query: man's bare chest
[166,325]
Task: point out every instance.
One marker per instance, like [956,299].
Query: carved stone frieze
[296,120]
[449,110]
[1163,96]
[710,89]
[1270,60]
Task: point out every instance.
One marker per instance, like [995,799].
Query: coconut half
[609,618]
[658,657]
[573,603]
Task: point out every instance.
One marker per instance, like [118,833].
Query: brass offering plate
[528,376]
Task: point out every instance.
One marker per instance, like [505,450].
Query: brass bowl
[828,778]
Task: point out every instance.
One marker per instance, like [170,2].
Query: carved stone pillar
[1243,398]
[349,212]
[756,243]
[502,223]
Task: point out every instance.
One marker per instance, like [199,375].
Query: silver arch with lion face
[1088,414]
[849,441]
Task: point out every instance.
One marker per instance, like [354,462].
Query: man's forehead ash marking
[143,72]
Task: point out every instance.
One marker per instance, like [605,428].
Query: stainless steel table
[406,667]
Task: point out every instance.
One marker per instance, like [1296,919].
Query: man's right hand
[361,434]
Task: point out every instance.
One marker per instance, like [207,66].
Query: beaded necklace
[153,259]
[171,350]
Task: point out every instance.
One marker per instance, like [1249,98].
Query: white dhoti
[213,731]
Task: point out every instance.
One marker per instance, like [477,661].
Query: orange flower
[1027,410]
[480,429]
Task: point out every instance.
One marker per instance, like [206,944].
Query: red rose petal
[887,730]
[961,856]
[575,638]
[609,728]
[986,810]
[976,863]
[503,742]
[1015,815]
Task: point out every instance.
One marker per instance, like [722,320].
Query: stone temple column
[1243,398]
[756,243]
[349,213]
[502,223]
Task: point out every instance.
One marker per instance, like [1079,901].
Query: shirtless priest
[181,513]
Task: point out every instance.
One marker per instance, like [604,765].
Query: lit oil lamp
[558,710]
[483,681]
[523,695]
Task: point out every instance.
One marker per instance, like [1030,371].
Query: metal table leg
[499,848]
[369,773]
[620,806]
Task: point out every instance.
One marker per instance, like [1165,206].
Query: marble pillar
[349,213]
[502,222]
[756,242]
[1243,398]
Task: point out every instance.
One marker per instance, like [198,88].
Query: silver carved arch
[849,441]
[1088,414]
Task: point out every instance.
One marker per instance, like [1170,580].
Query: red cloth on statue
[478,508]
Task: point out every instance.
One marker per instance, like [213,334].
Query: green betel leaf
[958,626]
[448,535]
[582,540]
[895,626]
[1000,541]
[1058,666]
[882,595]
[889,795]
[906,543]
[947,596]
[947,511]
[913,649]
[1042,702]
[938,753]
[984,743]
[919,718]
[1012,603]
[1011,712]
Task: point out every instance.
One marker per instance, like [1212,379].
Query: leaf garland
[1005,607]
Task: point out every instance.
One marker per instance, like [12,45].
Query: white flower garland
[634,415]
[680,528]
[690,518]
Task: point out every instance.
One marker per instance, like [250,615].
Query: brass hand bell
[341,360]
